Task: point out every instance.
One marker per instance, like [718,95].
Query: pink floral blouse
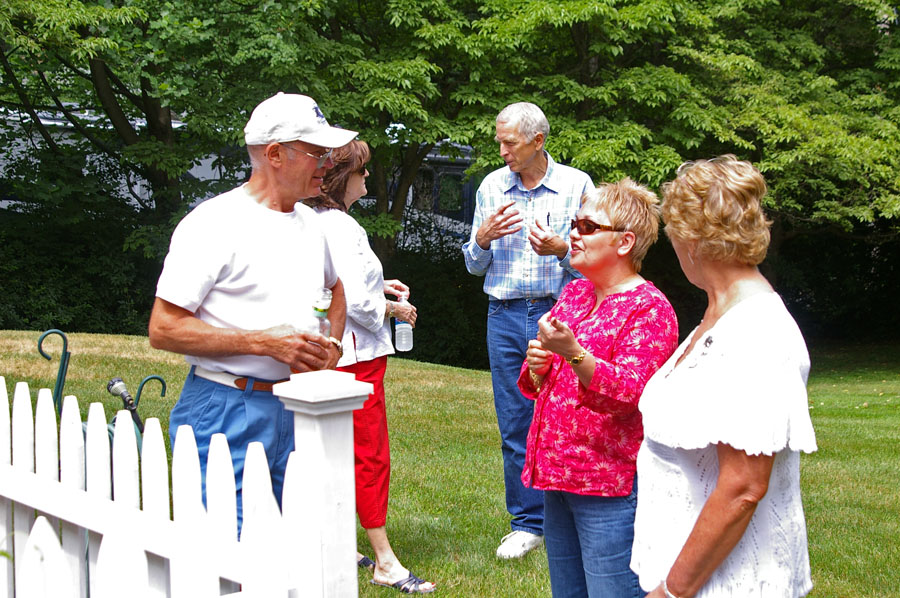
[585,440]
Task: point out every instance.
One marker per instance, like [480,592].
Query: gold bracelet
[391,313]
[578,358]
[535,380]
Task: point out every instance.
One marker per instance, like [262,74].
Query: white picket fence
[80,518]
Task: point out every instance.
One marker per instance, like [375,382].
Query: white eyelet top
[743,384]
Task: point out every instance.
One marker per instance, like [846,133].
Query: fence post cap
[322,392]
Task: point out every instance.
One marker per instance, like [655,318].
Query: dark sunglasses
[586,227]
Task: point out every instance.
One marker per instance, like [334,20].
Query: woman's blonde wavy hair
[630,206]
[716,205]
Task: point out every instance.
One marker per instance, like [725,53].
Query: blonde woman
[595,350]
[725,419]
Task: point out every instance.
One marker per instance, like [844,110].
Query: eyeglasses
[587,227]
[320,159]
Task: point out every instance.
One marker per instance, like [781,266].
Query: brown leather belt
[239,382]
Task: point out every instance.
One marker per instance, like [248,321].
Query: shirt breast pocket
[560,221]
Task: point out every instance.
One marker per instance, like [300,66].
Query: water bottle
[403,332]
[320,312]
[319,321]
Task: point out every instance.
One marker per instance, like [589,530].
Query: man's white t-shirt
[236,264]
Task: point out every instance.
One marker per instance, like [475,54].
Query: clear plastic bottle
[318,320]
[403,332]
[320,311]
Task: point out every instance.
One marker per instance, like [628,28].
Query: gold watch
[338,344]
[578,358]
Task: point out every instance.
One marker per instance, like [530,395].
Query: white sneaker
[517,544]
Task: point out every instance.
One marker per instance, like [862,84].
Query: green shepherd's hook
[63,366]
[141,387]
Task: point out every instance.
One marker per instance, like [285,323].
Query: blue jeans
[244,416]
[511,324]
[588,540]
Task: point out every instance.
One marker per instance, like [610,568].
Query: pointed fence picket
[80,518]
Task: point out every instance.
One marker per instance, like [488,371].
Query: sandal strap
[410,585]
[365,563]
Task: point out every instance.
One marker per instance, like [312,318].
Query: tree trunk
[165,189]
[393,200]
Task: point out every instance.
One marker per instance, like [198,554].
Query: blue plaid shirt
[511,268]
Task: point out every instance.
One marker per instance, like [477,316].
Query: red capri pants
[371,451]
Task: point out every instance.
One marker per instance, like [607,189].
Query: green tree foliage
[807,90]
[61,259]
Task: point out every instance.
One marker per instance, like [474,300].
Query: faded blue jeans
[510,325]
[588,540]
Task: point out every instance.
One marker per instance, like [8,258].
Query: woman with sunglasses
[595,350]
[366,343]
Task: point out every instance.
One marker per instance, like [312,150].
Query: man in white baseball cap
[238,285]
[290,117]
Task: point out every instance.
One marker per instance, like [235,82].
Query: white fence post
[98,477]
[23,460]
[262,533]
[323,404]
[6,566]
[71,474]
[155,497]
[126,482]
[43,569]
[121,566]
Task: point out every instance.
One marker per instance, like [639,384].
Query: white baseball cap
[292,117]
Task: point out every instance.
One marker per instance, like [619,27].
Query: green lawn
[447,508]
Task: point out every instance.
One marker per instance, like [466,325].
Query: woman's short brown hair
[716,205]
[630,206]
[347,160]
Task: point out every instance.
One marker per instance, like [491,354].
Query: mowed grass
[851,485]
[447,509]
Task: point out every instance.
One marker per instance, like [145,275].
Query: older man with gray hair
[519,244]
[239,282]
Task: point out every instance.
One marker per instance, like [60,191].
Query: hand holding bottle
[403,327]
[405,311]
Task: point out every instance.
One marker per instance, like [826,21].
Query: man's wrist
[666,591]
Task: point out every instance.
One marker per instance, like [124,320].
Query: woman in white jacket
[366,344]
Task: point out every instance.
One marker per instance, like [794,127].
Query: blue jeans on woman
[588,540]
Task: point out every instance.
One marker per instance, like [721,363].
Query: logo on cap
[319,115]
